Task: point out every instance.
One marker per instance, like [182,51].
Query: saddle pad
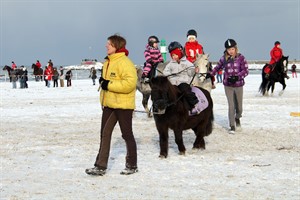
[202,104]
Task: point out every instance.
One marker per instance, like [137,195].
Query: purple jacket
[237,66]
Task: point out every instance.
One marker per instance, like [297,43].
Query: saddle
[202,103]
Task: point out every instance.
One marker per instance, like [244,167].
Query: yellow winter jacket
[122,76]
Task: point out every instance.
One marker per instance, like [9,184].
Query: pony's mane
[162,83]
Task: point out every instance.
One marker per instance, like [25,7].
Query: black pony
[170,111]
[37,72]
[277,74]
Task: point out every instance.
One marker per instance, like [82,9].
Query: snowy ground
[49,136]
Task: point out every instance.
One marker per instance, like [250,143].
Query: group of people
[51,73]
[118,88]
[182,69]
[20,74]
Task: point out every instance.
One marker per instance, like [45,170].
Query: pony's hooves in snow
[162,156]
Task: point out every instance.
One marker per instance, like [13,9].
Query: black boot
[190,96]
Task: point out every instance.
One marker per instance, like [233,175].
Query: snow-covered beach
[49,136]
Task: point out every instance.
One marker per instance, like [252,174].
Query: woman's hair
[227,56]
[117,41]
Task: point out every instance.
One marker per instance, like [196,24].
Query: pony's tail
[264,84]
[209,125]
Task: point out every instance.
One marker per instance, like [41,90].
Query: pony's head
[163,94]
[284,61]
[6,67]
[202,64]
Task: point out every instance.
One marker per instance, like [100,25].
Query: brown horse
[170,112]
[37,72]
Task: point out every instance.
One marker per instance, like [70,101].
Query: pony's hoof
[162,156]
[182,153]
[195,149]
[281,92]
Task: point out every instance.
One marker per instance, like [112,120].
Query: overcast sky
[68,31]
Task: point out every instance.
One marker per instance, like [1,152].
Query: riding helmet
[230,43]
[276,43]
[191,32]
[153,39]
[174,45]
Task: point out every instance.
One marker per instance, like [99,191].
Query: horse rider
[180,72]
[153,57]
[38,64]
[192,47]
[276,54]
[13,65]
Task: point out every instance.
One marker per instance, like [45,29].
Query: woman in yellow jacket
[117,97]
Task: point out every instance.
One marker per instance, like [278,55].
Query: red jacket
[276,54]
[48,74]
[38,64]
[191,50]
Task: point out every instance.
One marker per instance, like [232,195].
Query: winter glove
[101,80]
[151,62]
[232,79]
[104,84]
[184,87]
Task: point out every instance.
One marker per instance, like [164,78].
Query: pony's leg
[179,141]
[163,140]
[199,141]
[145,101]
[283,87]
[145,104]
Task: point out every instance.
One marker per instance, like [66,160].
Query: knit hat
[177,52]
[191,32]
[276,43]
[229,43]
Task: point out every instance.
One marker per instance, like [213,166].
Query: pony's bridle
[160,105]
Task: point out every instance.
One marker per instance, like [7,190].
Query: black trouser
[109,119]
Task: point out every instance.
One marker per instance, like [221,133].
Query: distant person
[26,77]
[38,64]
[276,54]
[61,76]
[117,99]
[294,71]
[153,57]
[46,80]
[14,78]
[55,77]
[69,76]
[235,69]
[48,75]
[50,63]
[13,65]
[93,75]
[219,76]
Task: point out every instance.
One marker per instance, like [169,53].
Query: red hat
[178,52]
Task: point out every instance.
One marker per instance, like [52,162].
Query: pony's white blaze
[202,63]
[285,65]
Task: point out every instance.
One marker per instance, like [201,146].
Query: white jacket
[182,72]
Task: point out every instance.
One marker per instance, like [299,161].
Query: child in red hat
[180,72]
